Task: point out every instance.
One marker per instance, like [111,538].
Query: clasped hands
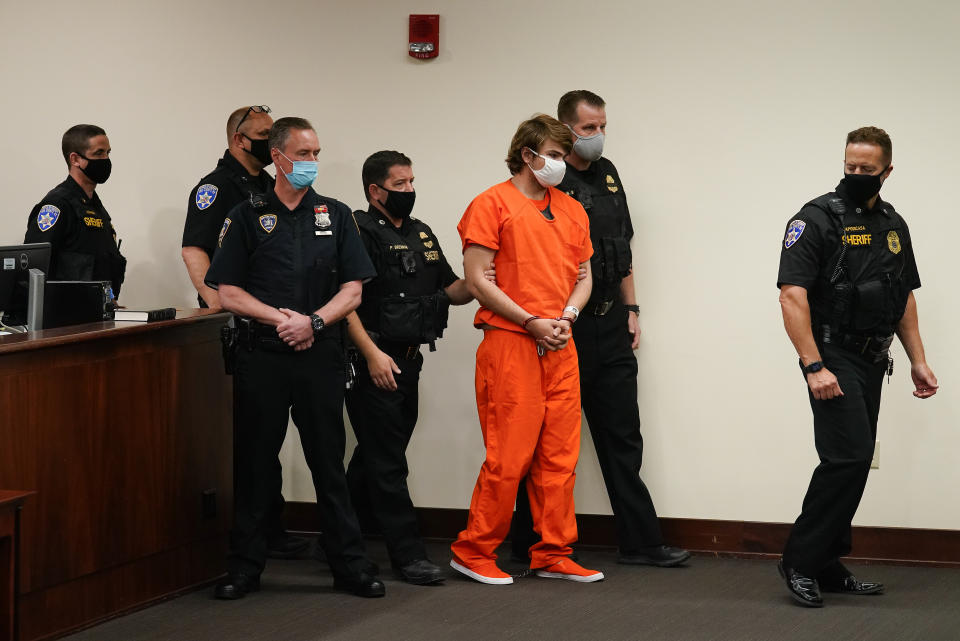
[295,330]
[550,333]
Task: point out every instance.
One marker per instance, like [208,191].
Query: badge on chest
[321,220]
[893,242]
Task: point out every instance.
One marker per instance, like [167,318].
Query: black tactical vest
[606,209]
[412,309]
[861,288]
[91,253]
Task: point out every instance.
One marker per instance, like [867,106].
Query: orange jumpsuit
[529,406]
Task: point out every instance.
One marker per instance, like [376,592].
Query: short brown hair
[280,131]
[76,140]
[873,136]
[532,133]
[567,107]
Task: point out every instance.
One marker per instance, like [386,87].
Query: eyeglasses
[257,109]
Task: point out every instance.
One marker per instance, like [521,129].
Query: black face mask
[399,204]
[863,187]
[259,149]
[97,169]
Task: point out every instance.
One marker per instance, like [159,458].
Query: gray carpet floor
[716,599]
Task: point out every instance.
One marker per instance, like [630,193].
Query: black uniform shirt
[214,196]
[386,245]
[601,193]
[295,259]
[84,242]
[878,244]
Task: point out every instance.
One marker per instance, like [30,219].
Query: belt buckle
[603,308]
[412,352]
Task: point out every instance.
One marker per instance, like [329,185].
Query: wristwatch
[573,310]
[815,366]
[317,323]
[633,308]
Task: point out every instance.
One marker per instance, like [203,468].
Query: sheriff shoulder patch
[268,222]
[206,194]
[47,217]
[794,231]
[223,231]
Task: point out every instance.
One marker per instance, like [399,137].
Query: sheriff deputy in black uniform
[290,266]
[73,220]
[847,275]
[404,307]
[238,175]
[606,333]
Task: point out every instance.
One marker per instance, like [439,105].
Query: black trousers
[608,393]
[274,526]
[845,430]
[271,384]
[383,422]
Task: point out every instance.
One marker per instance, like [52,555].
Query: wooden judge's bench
[124,433]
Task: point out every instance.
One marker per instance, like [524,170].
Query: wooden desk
[119,428]
[10,503]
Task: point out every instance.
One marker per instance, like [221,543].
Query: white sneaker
[489,573]
[571,571]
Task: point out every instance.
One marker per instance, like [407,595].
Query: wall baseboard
[745,539]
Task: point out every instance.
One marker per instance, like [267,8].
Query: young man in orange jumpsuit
[527,380]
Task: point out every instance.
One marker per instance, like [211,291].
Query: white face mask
[551,173]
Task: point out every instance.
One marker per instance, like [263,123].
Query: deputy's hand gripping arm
[476,259]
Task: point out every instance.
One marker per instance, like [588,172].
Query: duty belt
[406,351]
[403,350]
[600,308]
[252,334]
[874,348]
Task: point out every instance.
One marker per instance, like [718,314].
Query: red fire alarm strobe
[424,35]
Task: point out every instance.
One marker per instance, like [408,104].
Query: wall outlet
[875,463]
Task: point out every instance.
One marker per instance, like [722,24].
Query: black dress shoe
[420,572]
[662,556]
[287,546]
[852,585]
[363,585]
[803,589]
[236,586]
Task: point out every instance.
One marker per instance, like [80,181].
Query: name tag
[323,233]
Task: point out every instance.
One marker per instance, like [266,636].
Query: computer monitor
[16,261]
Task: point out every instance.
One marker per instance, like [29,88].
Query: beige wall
[724,119]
